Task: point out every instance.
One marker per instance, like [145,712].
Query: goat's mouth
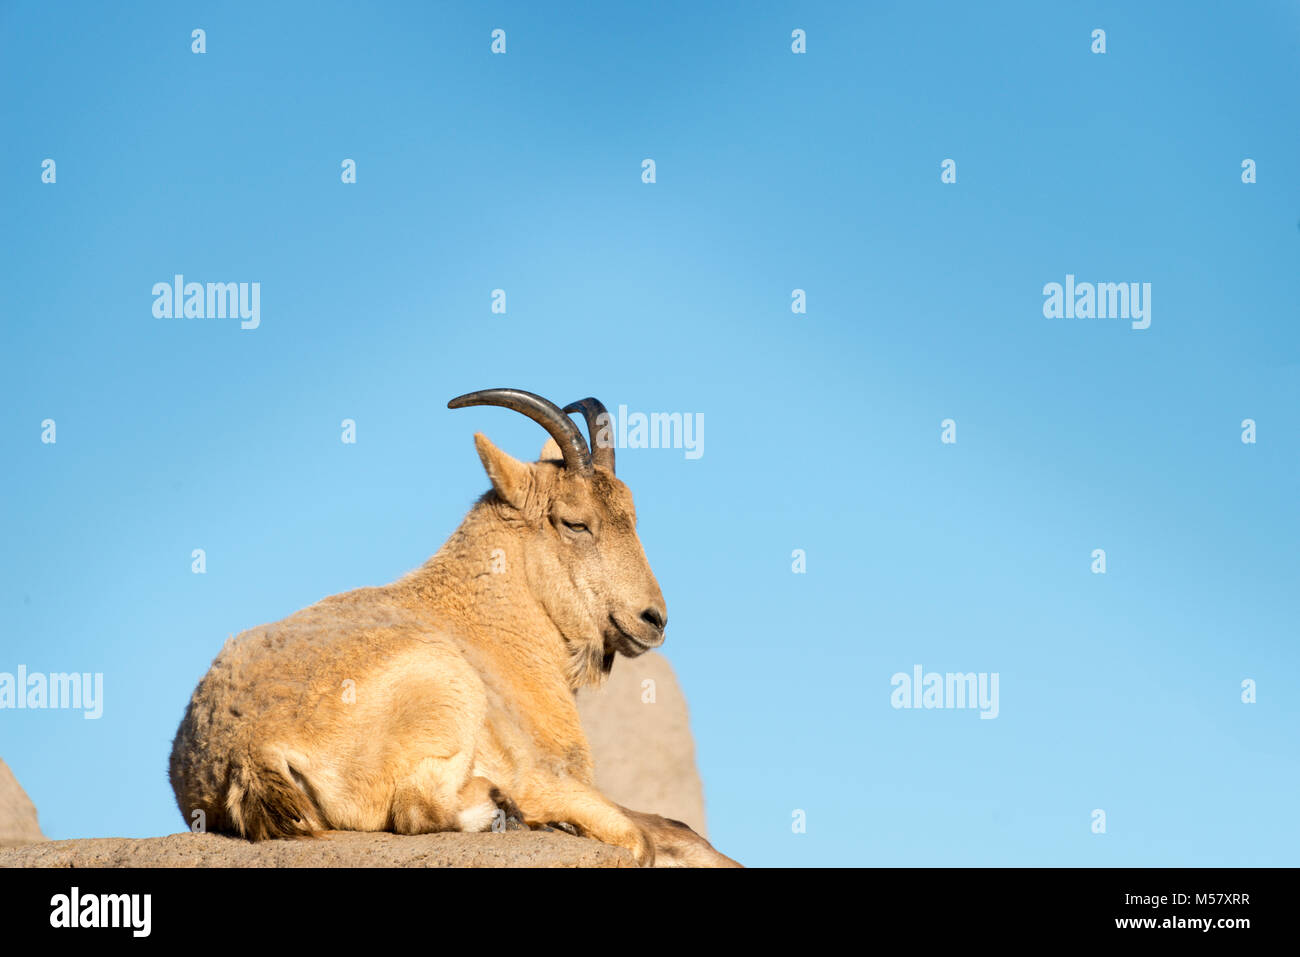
[618,638]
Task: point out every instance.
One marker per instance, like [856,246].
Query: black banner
[1160,907]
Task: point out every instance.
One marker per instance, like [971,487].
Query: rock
[18,824]
[331,849]
[644,750]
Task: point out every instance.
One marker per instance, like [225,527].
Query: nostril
[655,617]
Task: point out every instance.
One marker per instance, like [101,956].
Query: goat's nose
[656,617]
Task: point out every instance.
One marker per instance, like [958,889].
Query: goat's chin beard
[591,658]
[590,661]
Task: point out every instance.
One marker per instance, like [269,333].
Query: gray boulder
[641,740]
[18,824]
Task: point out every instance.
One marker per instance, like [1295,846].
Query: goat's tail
[264,800]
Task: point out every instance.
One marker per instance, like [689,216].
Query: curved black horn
[542,411]
[592,409]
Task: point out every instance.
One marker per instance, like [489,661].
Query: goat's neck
[484,596]
[478,580]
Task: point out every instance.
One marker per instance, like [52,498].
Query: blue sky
[774,172]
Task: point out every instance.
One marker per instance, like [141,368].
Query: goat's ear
[550,451]
[509,475]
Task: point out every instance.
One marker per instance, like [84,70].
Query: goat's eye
[574,526]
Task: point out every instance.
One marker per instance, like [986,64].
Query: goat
[445,700]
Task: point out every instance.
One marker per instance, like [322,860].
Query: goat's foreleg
[676,844]
[544,798]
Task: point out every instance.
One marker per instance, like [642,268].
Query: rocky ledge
[332,849]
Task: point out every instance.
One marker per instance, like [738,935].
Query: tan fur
[408,707]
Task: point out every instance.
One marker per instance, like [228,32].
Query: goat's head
[577,525]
